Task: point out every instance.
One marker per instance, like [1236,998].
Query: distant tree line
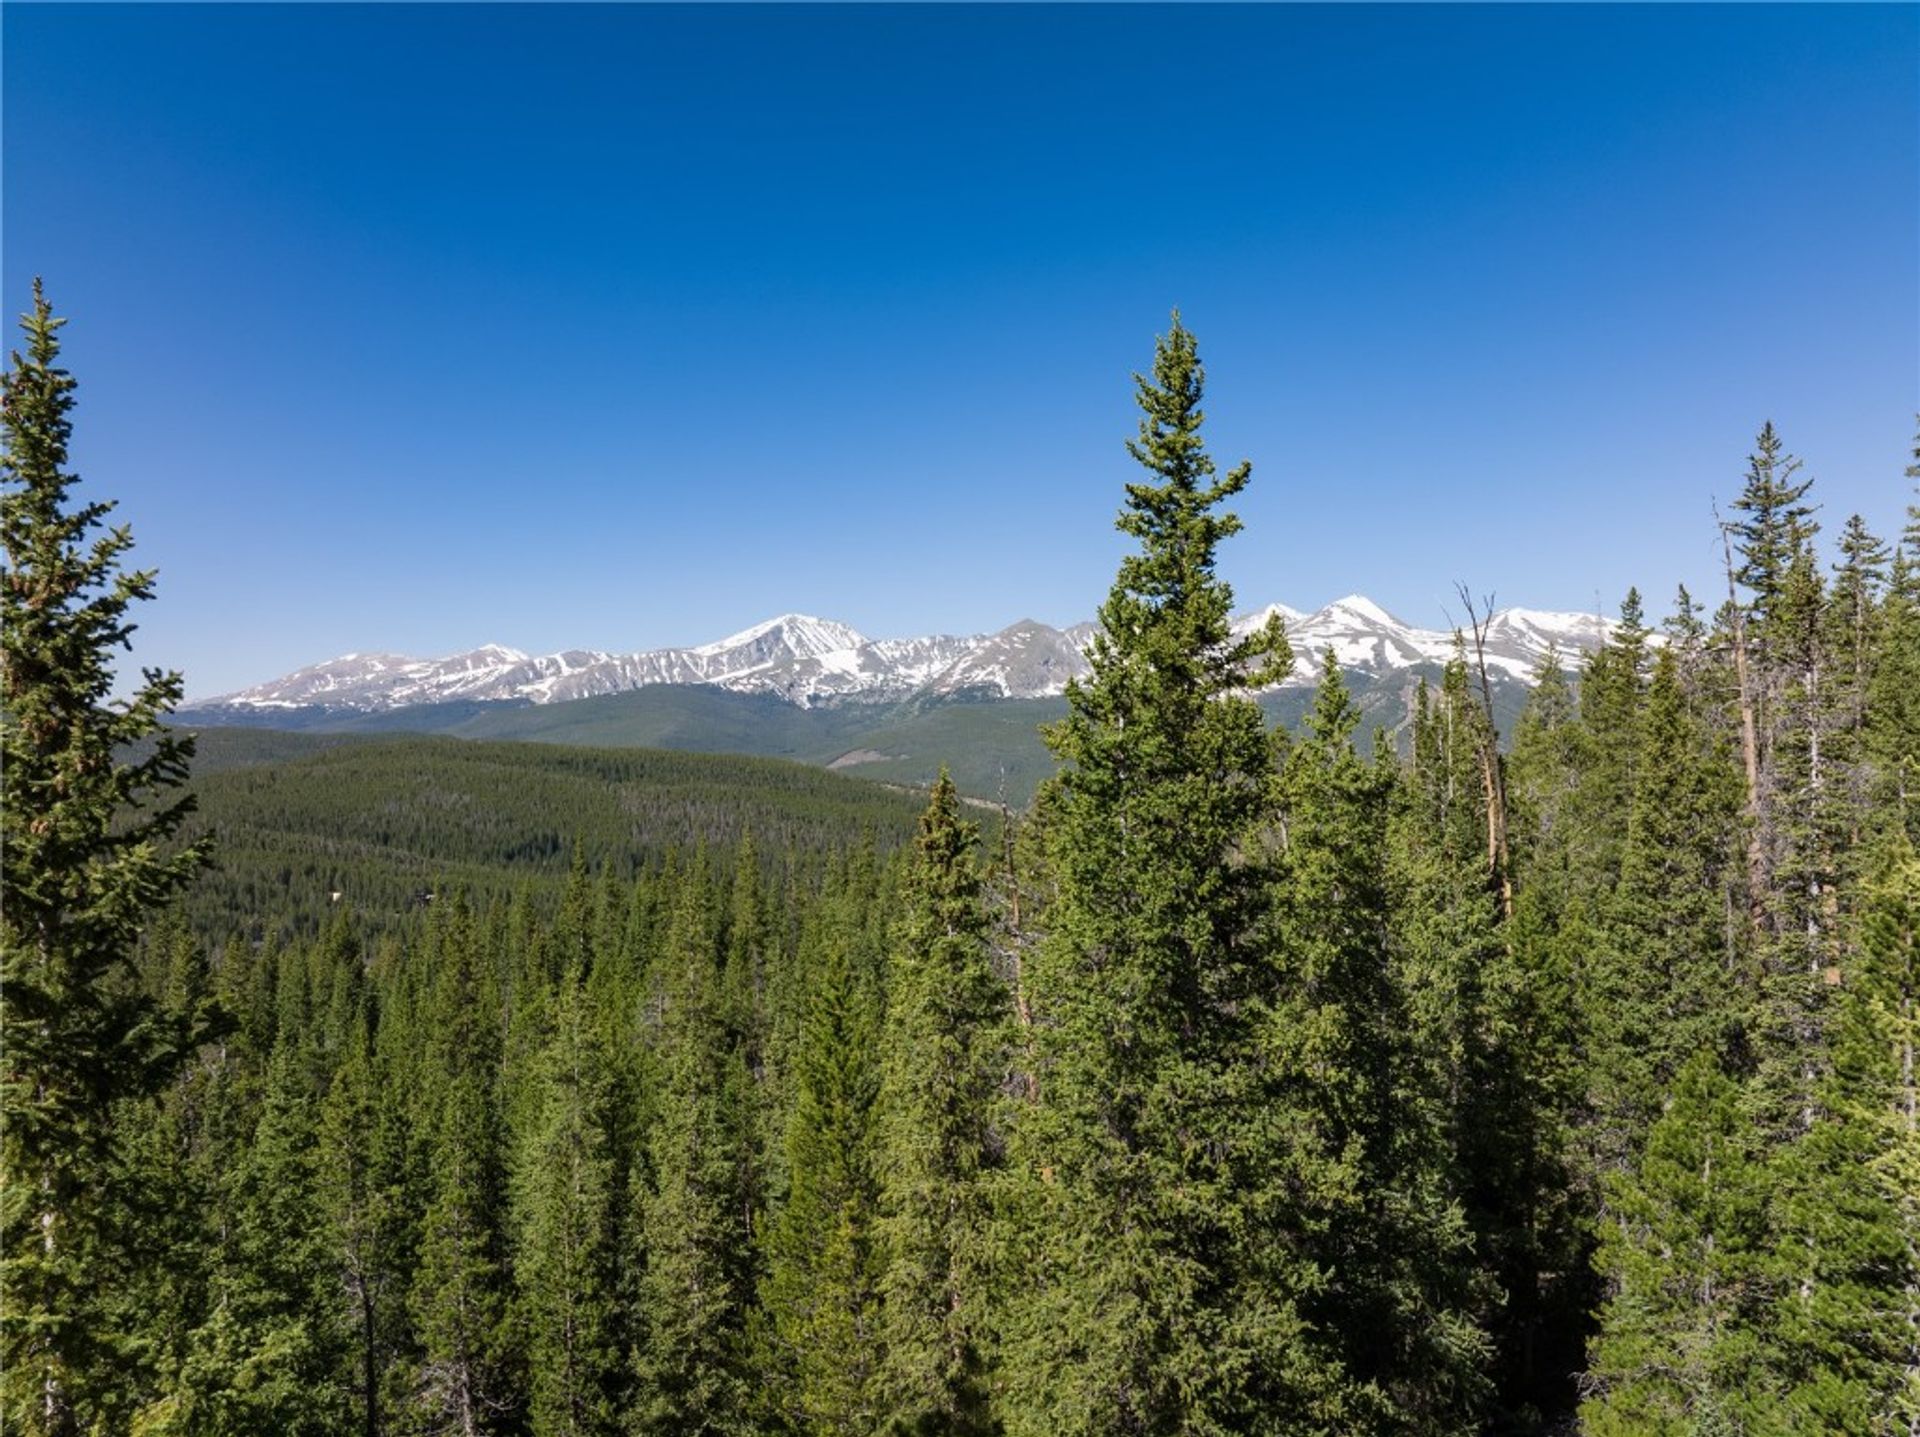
[1248,1083]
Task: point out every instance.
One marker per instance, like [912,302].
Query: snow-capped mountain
[807,660]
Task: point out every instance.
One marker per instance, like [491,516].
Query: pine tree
[87,805]
[1147,1311]
[1843,1331]
[1666,977]
[752,955]
[1775,527]
[822,1289]
[1544,1247]
[267,1355]
[460,1290]
[1878,1090]
[564,1232]
[1445,918]
[1542,774]
[1681,1251]
[1803,831]
[363,1194]
[1891,740]
[1493,1031]
[945,1058]
[1859,580]
[1612,691]
[1401,1348]
[163,1267]
[694,1290]
[1910,534]
[1891,730]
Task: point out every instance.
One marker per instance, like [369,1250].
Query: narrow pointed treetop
[1776,522]
[1167,607]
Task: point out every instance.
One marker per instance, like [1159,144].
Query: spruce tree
[822,1290]
[1493,1031]
[945,1058]
[1148,1308]
[564,1231]
[1878,1089]
[1682,1250]
[1775,526]
[88,802]
[460,1290]
[694,1293]
[1613,689]
[1891,737]
[1399,1347]
[365,1151]
[1666,976]
[267,1357]
[1843,1331]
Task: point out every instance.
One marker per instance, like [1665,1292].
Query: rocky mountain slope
[809,661]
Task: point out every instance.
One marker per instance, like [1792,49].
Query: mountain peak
[805,634]
[807,660]
[1361,607]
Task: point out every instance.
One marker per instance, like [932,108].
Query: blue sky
[418,327]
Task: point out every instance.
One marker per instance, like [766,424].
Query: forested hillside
[310,824]
[1248,1081]
[992,747]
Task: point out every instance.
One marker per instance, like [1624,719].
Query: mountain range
[811,662]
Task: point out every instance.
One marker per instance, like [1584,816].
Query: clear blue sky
[414,328]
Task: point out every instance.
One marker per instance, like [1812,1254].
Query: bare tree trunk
[1492,775]
[1015,953]
[1749,739]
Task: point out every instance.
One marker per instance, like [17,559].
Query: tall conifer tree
[945,1057]
[87,803]
[365,1146]
[1665,978]
[825,1259]
[1682,1249]
[460,1290]
[1149,1312]
[1402,1351]
[1844,1328]
[564,1229]
[694,1289]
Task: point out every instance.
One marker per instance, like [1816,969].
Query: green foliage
[1141,1155]
[366,1159]
[1365,1138]
[1662,978]
[459,1296]
[1241,1084]
[945,1056]
[696,1288]
[386,822]
[84,862]
[825,1253]
[1682,1248]
[1845,1325]
[564,1231]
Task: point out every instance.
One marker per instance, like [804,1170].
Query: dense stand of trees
[1248,1083]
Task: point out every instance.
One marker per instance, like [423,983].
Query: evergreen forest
[1252,1079]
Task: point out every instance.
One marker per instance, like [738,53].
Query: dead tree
[1749,732]
[1492,771]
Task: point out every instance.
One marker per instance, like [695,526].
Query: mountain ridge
[807,660]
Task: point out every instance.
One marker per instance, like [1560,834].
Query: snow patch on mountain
[808,660]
